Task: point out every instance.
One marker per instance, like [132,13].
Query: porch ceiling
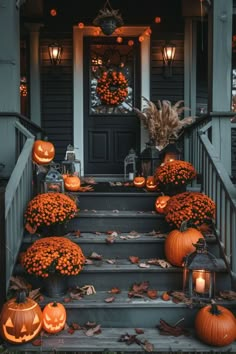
[73,11]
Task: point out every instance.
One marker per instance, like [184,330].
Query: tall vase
[55,285]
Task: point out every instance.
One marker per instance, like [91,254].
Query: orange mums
[195,207]
[112,88]
[175,172]
[47,209]
[53,254]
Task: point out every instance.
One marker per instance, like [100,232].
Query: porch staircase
[116,224]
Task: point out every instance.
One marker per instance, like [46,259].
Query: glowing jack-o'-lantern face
[151,184]
[54,317]
[139,182]
[72,183]
[43,152]
[21,320]
[161,203]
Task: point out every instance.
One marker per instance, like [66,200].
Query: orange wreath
[112,88]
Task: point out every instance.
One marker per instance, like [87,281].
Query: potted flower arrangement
[173,176]
[51,258]
[195,207]
[48,209]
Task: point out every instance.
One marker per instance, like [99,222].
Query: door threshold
[106,178]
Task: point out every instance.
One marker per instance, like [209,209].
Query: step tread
[117,213]
[108,340]
[123,237]
[121,300]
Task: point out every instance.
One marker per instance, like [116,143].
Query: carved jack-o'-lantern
[139,181]
[161,203]
[151,184]
[43,152]
[20,319]
[54,317]
[72,183]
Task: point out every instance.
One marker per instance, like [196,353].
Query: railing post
[2,248]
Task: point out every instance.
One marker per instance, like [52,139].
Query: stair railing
[215,182]
[18,192]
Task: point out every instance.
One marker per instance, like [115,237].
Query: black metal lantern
[53,182]
[150,159]
[171,152]
[199,272]
[55,53]
[168,54]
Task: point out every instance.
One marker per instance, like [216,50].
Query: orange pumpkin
[43,152]
[20,319]
[179,243]
[139,182]
[54,317]
[72,183]
[215,325]
[151,184]
[161,203]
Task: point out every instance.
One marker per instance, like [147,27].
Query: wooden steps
[116,226]
[108,341]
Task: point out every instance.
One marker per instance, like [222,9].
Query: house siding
[57,93]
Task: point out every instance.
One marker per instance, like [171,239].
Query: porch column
[220,74]
[35,97]
[9,56]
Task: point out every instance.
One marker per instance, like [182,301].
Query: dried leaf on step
[75,326]
[110,239]
[129,339]
[228,295]
[139,330]
[67,299]
[97,233]
[133,233]
[159,262]
[114,291]
[88,290]
[77,233]
[115,211]
[95,256]
[110,299]
[37,342]
[132,237]
[71,330]
[93,331]
[152,294]
[138,290]
[112,233]
[147,346]
[134,259]
[111,261]
[88,261]
[144,265]
[179,296]
[90,324]
[30,229]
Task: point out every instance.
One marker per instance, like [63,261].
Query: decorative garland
[112,88]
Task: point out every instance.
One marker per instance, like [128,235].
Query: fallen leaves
[142,290]
[132,339]
[169,330]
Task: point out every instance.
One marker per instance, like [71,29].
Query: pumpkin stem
[214,309]
[21,297]
[54,304]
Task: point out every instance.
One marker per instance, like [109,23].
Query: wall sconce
[168,54]
[55,52]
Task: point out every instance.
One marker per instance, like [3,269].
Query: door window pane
[111,78]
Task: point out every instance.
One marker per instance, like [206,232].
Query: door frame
[78,79]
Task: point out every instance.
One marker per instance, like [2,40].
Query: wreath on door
[112,88]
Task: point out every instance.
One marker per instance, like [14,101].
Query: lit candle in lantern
[200,285]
